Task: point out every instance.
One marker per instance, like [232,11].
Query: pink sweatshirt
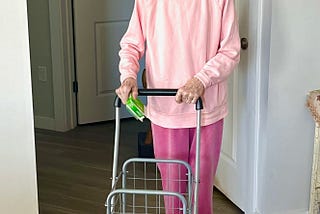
[182,39]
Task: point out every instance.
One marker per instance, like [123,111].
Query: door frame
[60,12]
[260,15]
[63,67]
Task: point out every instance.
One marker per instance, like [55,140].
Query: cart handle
[158,92]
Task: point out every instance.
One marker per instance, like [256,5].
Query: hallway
[74,168]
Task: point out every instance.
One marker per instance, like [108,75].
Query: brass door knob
[244,43]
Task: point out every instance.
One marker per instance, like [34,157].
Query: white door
[232,170]
[99,26]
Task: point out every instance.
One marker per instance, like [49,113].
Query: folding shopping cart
[137,189]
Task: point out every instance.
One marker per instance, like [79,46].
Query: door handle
[244,43]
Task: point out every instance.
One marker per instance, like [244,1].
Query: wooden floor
[74,168]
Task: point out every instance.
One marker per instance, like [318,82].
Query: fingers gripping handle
[158,92]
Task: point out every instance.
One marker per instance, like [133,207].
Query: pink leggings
[181,144]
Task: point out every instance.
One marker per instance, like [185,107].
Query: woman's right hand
[128,86]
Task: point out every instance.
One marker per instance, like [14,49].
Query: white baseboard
[45,123]
[293,212]
[300,211]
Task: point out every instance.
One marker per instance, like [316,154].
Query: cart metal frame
[118,195]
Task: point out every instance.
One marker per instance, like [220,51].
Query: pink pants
[181,144]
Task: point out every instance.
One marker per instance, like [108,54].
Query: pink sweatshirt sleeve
[219,67]
[132,44]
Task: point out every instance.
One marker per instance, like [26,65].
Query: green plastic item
[136,108]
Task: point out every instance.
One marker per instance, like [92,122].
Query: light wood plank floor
[74,168]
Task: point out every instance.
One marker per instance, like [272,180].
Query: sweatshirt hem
[187,120]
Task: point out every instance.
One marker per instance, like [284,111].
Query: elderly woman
[191,45]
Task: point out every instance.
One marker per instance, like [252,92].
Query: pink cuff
[204,79]
[126,76]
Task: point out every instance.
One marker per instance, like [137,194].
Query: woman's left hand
[190,92]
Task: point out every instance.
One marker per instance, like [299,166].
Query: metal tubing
[159,92]
[116,147]
[197,168]
[144,192]
[156,161]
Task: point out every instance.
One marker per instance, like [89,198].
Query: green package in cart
[135,108]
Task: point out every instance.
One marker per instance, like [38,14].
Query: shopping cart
[138,187]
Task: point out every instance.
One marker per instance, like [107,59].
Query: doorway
[63,99]
[98,28]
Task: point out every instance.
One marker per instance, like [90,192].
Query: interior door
[232,170]
[99,26]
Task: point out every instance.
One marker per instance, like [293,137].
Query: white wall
[286,153]
[18,189]
[51,46]
[40,51]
